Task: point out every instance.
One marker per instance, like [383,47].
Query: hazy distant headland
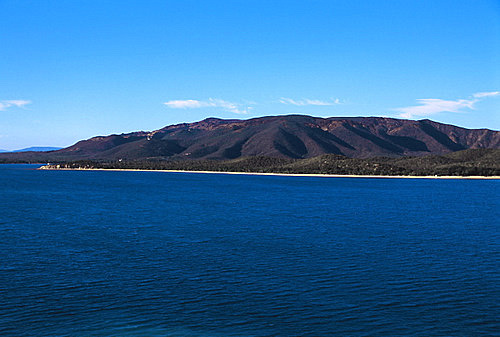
[291,144]
[35,149]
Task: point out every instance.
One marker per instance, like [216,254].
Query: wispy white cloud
[486,94]
[4,105]
[210,103]
[431,106]
[184,104]
[307,101]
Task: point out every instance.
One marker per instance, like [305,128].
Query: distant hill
[39,149]
[34,149]
[293,136]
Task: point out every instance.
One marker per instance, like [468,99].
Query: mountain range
[292,136]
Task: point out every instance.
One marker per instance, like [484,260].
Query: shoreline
[280,174]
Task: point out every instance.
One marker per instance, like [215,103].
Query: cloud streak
[19,103]
[486,94]
[432,106]
[306,101]
[210,103]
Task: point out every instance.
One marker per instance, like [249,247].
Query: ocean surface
[87,253]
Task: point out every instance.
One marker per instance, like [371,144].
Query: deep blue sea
[91,253]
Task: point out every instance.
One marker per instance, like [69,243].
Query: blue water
[179,254]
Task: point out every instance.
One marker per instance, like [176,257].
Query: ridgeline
[289,137]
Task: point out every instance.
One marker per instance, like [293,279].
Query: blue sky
[70,69]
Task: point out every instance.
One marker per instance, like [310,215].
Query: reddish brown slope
[294,136]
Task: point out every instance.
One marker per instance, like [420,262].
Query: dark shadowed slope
[293,136]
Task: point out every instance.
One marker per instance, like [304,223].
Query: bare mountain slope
[293,136]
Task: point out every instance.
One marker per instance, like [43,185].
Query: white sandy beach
[280,174]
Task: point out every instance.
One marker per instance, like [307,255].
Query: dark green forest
[477,162]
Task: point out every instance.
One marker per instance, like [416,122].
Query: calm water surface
[178,254]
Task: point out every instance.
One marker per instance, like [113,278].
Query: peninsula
[467,163]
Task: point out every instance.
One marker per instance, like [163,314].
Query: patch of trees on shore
[477,162]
